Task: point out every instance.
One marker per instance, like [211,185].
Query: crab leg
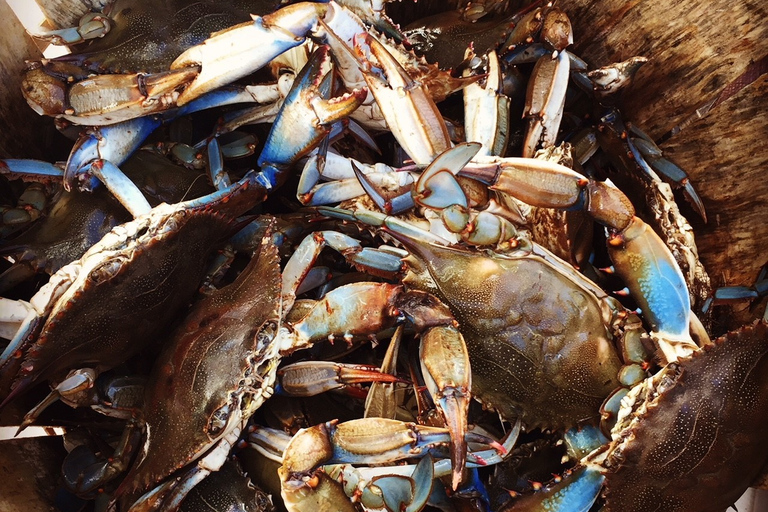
[308,250]
[640,257]
[91,26]
[380,401]
[388,187]
[645,150]
[445,365]
[236,52]
[359,481]
[369,440]
[30,170]
[309,378]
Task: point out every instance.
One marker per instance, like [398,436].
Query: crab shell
[538,333]
[216,369]
[701,442]
[78,221]
[137,277]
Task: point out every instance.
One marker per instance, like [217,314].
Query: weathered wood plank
[696,50]
[22,127]
[724,155]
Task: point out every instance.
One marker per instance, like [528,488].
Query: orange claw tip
[498,447]
[476,459]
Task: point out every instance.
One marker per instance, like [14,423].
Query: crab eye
[218,420]
[265,336]
[107,270]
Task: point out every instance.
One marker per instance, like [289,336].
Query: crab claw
[29,170]
[574,493]
[544,101]
[106,99]
[97,154]
[309,378]
[239,51]
[408,109]
[445,366]
[304,486]
[307,105]
[487,111]
[656,283]
[609,79]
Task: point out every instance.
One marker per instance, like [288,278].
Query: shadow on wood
[696,50]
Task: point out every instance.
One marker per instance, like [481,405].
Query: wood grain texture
[696,49]
[27,478]
[29,468]
[724,156]
[22,128]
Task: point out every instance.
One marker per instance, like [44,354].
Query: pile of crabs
[404,301]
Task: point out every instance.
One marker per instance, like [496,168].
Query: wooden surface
[23,130]
[28,478]
[697,49]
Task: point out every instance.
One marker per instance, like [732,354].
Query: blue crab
[566,354]
[140,271]
[219,366]
[126,72]
[190,373]
[687,438]
[77,221]
[98,152]
[155,61]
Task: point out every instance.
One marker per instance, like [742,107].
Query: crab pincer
[305,487]
[238,51]
[309,105]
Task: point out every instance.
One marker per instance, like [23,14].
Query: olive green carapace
[139,288]
[220,358]
[707,431]
[538,342]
